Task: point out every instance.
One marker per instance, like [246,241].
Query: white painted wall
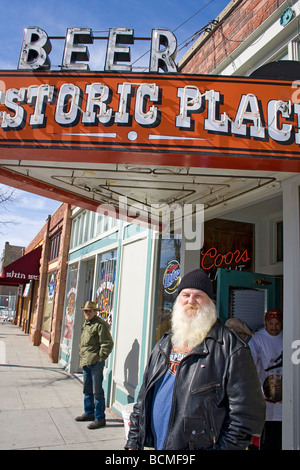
[291,330]
[130,313]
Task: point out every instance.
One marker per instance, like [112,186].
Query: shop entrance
[247,296]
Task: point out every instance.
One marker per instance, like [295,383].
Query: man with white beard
[200,388]
[194,314]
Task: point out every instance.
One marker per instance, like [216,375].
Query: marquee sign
[36,48]
[163,119]
[89,138]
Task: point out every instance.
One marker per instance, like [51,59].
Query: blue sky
[184,18]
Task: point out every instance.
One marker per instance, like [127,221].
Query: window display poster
[169,279]
[49,302]
[106,278]
[70,305]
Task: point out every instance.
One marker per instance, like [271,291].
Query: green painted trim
[230,278]
[100,244]
[95,246]
[116,297]
[133,229]
[108,381]
[145,312]
[122,397]
[64,357]
[107,386]
[156,289]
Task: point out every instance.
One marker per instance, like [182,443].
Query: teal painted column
[146,312]
[107,383]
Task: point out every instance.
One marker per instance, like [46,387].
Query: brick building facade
[236,23]
[11,253]
[40,313]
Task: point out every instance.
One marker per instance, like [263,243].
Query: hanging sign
[174,119]
[36,50]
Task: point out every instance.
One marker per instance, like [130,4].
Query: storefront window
[74,233]
[92,224]
[88,225]
[81,227]
[99,224]
[49,302]
[105,289]
[169,278]
[55,245]
[71,291]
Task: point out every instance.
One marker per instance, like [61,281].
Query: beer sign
[83,137]
[172,119]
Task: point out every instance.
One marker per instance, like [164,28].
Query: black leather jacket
[217,398]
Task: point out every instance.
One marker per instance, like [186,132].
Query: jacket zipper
[206,388]
[209,414]
[212,424]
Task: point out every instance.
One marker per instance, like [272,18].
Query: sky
[26,214]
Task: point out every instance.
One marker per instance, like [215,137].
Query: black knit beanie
[197,279]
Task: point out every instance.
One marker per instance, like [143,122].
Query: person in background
[200,388]
[266,347]
[95,346]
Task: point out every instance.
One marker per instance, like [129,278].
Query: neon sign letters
[36,48]
[212,259]
[140,103]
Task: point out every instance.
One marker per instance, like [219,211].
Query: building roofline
[207,34]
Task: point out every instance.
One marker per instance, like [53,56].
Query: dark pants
[94,400]
[271,438]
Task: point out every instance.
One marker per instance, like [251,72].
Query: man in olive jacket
[200,388]
[95,346]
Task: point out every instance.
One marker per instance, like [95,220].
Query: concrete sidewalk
[39,401]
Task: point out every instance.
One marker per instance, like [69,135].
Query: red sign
[23,270]
[212,259]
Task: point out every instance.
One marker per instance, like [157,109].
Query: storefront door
[247,295]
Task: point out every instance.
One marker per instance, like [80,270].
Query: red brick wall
[243,21]
[59,219]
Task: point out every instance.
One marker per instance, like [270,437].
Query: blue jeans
[94,400]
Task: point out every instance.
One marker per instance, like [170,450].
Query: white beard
[189,331]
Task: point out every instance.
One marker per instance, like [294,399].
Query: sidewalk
[39,401]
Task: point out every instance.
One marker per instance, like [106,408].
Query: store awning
[23,270]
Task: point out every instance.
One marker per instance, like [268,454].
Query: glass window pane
[169,278]
[71,292]
[105,284]
[49,302]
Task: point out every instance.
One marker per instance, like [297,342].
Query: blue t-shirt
[162,398]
